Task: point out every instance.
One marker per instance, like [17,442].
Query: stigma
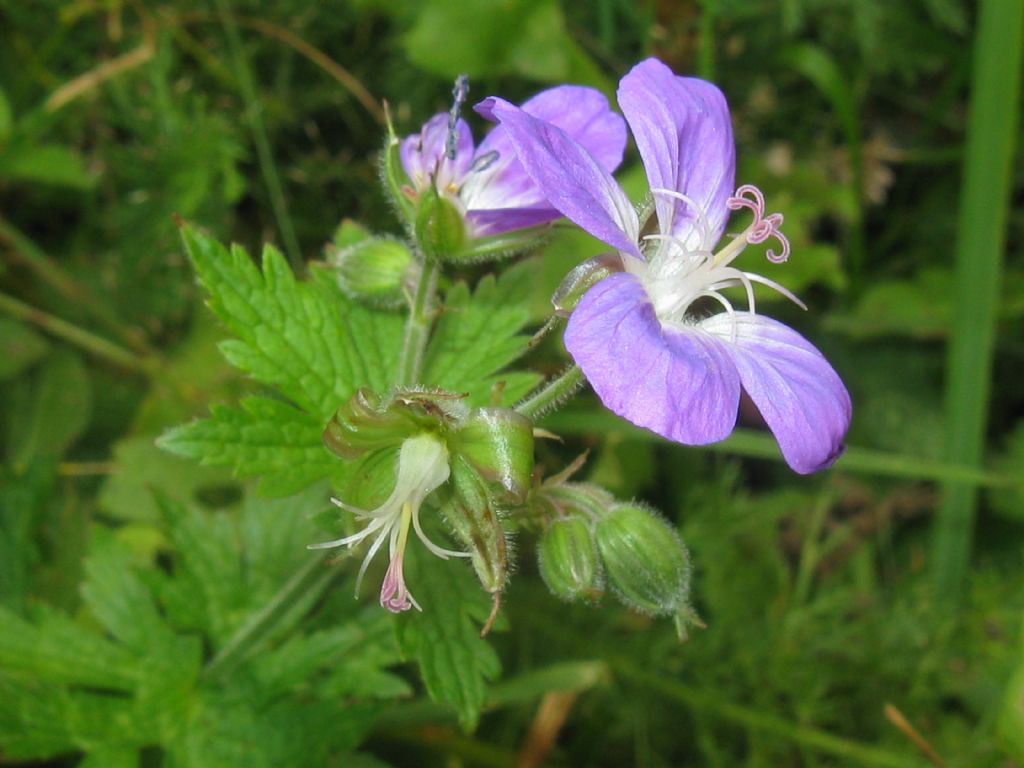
[679,270]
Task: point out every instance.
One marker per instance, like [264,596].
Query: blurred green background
[871,615]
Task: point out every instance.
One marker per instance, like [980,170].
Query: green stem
[253,116]
[552,394]
[980,241]
[96,345]
[47,270]
[305,587]
[418,325]
[709,704]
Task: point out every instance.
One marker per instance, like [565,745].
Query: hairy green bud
[376,270]
[568,560]
[440,226]
[647,564]
[498,444]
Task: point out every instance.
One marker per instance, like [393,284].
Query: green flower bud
[644,557]
[377,270]
[583,277]
[440,226]
[350,232]
[568,560]
[498,444]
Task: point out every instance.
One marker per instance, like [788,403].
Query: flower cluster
[640,330]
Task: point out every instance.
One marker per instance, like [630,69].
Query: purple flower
[640,335]
[489,184]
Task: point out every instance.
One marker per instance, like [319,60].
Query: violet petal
[797,391]
[583,113]
[683,131]
[680,384]
[423,154]
[498,220]
[572,180]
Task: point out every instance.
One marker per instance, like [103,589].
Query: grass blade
[981,231]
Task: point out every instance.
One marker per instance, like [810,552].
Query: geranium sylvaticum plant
[392,380]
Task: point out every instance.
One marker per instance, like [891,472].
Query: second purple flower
[488,183]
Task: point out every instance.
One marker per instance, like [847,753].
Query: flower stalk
[552,394]
[418,325]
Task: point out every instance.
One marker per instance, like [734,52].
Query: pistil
[394,595]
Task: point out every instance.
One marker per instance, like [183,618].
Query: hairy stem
[552,394]
[417,327]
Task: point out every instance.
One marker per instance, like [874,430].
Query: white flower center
[680,269]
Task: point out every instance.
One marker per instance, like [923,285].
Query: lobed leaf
[265,437]
[444,639]
[303,338]
[479,334]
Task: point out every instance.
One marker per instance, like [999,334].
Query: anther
[485,161]
[459,94]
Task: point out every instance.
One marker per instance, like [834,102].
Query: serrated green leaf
[348,660]
[478,335]
[268,438]
[526,37]
[235,727]
[304,338]
[195,365]
[229,567]
[444,639]
[207,591]
[56,649]
[275,534]
[168,689]
[20,346]
[118,598]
